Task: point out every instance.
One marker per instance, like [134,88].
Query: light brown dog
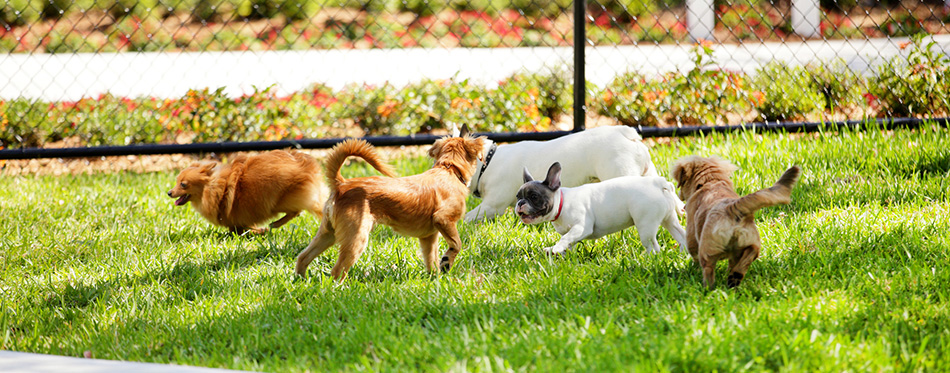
[719,224]
[252,189]
[421,206]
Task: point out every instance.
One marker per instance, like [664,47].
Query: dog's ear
[527,176]
[436,148]
[465,131]
[474,147]
[553,180]
[677,173]
[207,167]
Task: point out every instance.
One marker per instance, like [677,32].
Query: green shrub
[375,109]
[838,4]
[626,10]
[530,101]
[902,24]
[701,95]
[20,12]
[21,123]
[139,8]
[785,92]
[916,85]
[633,100]
[838,85]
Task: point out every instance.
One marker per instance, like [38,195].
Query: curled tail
[780,193]
[669,191]
[632,134]
[352,147]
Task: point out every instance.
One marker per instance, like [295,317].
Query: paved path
[73,76]
[36,363]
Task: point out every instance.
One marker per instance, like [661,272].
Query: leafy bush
[836,83]
[785,92]
[838,4]
[626,10]
[18,12]
[750,20]
[520,102]
[701,95]
[529,101]
[915,85]
[633,100]
[902,24]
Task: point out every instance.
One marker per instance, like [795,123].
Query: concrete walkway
[36,363]
[73,76]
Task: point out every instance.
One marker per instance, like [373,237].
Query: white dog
[595,210]
[595,154]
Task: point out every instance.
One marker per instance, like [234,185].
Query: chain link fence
[114,72]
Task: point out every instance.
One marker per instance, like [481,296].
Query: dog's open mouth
[526,217]
[182,200]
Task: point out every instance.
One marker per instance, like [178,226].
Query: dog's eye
[184,186]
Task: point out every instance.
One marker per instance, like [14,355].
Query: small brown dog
[719,224]
[421,206]
[252,189]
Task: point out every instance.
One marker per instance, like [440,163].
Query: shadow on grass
[380,319]
[808,198]
[184,278]
[316,326]
[866,259]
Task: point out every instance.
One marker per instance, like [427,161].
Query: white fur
[600,153]
[595,210]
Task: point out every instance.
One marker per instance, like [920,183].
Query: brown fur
[421,206]
[719,224]
[252,189]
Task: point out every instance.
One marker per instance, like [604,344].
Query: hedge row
[27,11]
[918,85]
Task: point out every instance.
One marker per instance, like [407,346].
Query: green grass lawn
[853,276]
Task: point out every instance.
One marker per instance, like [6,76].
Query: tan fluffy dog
[252,189]
[719,224]
[421,206]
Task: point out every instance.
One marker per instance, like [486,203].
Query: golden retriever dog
[421,206]
[719,224]
[252,189]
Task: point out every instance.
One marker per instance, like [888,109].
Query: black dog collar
[491,153]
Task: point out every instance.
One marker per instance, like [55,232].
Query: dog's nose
[169,193]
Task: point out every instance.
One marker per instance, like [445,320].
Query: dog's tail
[678,204]
[632,134]
[780,193]
[352,147]
[669,191]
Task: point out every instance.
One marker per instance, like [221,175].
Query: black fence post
[580,82]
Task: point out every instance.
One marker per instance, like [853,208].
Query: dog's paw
[445,265]
[734,279]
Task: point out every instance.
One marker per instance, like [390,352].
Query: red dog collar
[559,206]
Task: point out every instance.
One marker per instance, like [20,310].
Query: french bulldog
[599,153]
[594,210]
